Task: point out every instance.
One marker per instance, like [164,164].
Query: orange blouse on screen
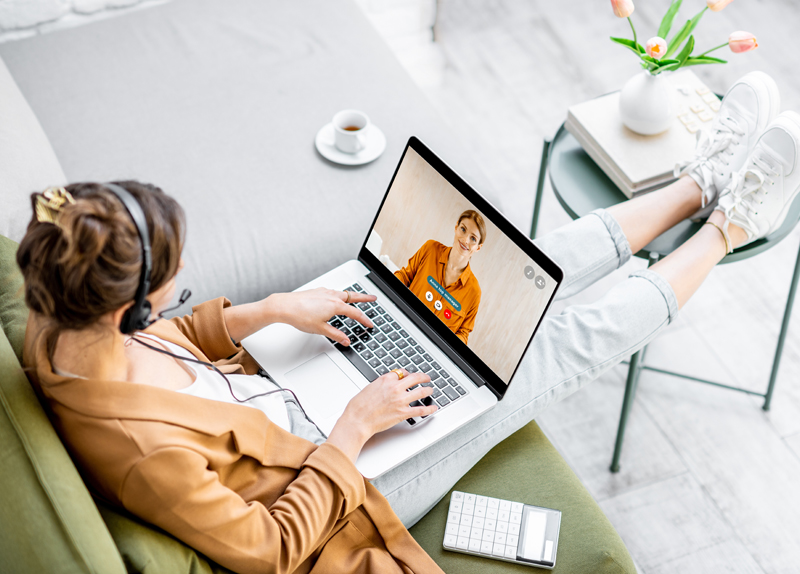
[431,260]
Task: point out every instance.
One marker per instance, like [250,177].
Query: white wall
[406,25]
[23,18]
[408,28]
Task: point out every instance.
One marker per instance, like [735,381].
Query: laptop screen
[452,252]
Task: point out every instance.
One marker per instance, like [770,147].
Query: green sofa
[50,523]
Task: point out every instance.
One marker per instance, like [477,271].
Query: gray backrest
[218,103]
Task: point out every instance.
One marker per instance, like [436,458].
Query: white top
[209,384]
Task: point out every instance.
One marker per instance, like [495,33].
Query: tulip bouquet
[659,55]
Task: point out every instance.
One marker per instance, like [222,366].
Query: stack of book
[636,163]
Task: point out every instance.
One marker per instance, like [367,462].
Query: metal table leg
[787,315]
[627,403]
[632,382]
[537,203]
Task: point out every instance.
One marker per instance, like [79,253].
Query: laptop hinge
[433,335]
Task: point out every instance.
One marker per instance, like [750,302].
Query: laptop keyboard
[375,352]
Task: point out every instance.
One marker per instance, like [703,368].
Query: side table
[581,187]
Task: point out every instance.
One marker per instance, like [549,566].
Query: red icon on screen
[447,314]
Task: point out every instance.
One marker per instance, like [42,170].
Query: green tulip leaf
[670,67]
[704,60]
[674,43]
[687,49]
[688,28]
[651,67]
[630,44]
[666,23]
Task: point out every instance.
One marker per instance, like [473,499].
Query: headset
[137,317]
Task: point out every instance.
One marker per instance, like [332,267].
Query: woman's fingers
[357,314]
[388,399]
[422,411]
[411,379]
[419,393]
[405,382]
[355,297]
[358,297]
[336,335]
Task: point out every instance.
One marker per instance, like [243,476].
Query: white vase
[646,104]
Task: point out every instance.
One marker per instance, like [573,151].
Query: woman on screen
[449,269]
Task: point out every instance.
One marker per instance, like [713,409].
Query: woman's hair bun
[87,261]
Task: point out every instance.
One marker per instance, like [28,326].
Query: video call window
[467,273]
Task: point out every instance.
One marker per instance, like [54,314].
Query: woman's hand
[310,311]
[379,406]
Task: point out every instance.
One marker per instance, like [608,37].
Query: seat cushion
[527,468]
[28,161]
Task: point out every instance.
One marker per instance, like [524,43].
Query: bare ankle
[691,192]
[736,234]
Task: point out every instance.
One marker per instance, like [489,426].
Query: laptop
[460,295]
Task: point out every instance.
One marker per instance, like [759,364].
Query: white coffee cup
[349,127]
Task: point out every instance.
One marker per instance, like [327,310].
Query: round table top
[581,187]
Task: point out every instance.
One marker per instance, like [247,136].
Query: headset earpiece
[136,318]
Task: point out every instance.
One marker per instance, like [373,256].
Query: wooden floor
[709,481]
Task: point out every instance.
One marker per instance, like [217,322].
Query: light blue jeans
[568,351]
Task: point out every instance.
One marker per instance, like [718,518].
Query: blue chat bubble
[443,292]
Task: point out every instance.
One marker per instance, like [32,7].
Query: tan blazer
[222,477]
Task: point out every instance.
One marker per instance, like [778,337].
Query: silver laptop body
[325,376]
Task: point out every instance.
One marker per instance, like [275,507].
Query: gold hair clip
[50,202]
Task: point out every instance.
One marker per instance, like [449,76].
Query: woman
[449,267]
[227,479]
[235,485]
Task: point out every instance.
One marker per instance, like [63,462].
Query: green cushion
[149,550]
[48,522]
[526,468]
[13,312]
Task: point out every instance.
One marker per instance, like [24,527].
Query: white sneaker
[748,107]
[759,196]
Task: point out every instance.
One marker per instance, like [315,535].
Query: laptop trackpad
[322,386]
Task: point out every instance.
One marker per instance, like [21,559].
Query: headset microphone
[185,294]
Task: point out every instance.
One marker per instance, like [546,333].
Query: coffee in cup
[349,127]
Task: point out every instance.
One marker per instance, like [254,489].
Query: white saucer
[376,144]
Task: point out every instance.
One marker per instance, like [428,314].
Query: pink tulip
[622,8]
[656,47]
[717,5]
[742,42]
